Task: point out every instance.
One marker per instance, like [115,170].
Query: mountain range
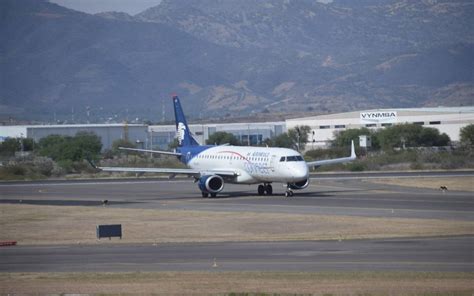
[232,58]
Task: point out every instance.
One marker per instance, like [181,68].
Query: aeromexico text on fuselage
[212,166]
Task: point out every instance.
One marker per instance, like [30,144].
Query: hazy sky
[93,6]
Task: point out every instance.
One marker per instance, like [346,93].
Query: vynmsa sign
[378,117]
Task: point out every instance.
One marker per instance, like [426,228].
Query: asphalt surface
[428,254]
[329,194]
[334,194]
[331,175]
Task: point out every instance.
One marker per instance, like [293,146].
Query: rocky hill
[234,58]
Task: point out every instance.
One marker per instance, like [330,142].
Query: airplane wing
[318,163]
[171,171]
[151,151]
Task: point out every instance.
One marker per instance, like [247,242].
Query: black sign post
[109,231]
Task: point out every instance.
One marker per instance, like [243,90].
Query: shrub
[356,167]
[64,148]
[466,135]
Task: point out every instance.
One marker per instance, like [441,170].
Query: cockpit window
[292,158]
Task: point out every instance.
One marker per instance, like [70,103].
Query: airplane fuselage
[252,165]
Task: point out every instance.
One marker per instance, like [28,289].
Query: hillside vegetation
[233,58]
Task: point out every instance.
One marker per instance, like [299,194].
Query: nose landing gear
[266,188]
[288,192]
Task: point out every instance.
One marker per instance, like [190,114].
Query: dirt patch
[452,183]
[31,224]
[365,283]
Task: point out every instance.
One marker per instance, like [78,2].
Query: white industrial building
[447,120]
[137,133]
[247,133]
[147,137]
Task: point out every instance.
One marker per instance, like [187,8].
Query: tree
[466,135]
[12,145]
[343,139]
[430,137]
[52,145]
[282,141]
[295,137]
[299,136]
[400,135]
[220,138]
[411,135]
[89,145]
[66,148]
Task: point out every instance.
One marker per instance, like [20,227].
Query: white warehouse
[108,133]
[447,120]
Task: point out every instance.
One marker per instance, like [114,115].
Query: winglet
[353,153]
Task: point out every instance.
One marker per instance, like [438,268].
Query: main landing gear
[266,188]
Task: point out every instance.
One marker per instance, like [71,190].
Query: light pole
[298,138]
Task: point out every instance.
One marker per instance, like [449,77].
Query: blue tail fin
[182,129]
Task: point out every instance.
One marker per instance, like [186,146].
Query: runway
[328,194]
[427,254]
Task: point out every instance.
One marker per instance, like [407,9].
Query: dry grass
[29,224]
[365,283]
[453,183]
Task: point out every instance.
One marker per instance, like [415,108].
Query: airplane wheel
[261,190]
[204,194]
[213,194]
[269,189]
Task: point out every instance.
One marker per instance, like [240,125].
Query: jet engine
[299,185]
[211,184]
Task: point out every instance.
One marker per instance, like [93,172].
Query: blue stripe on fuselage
[189,152]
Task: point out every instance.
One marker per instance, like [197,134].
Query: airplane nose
[300,172]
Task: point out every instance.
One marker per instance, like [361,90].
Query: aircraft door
[272,163]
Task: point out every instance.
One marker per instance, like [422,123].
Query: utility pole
[298,138]
[163,110]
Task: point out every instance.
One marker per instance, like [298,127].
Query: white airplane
[213,166]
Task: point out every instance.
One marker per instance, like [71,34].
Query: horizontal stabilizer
[151,151]
[151,170]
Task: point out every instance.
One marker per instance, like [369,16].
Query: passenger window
[282,158]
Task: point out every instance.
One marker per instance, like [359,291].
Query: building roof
[400,112]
